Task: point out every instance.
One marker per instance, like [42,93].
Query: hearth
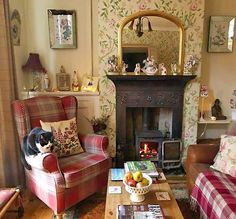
[142,91]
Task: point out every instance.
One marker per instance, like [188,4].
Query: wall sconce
[34,66]
[139,26]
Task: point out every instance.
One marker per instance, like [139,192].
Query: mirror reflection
[150,36]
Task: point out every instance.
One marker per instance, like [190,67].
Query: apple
[145,181]
[128,176]
[131,182]
[138,176]
[140,184]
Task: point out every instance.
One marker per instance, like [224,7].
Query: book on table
[139,211]
[117,174]
[145,166]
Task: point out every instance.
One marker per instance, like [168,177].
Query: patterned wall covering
[159,43]
[110,12]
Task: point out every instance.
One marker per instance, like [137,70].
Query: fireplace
[142,91]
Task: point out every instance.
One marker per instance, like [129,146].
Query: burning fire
[148,150]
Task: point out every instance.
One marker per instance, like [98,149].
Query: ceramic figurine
[112,64]
[173,67]
[137,69]
[162,69]
[46,82]
[149,66]
[124,67]
[75,82]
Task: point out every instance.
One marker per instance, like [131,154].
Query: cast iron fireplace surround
[148,91]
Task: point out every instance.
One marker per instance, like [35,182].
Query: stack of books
[139,211]
[145,166]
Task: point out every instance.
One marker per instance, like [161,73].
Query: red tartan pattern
[5,195]
[93,143]
[215,194]
[77,169]
[55,186]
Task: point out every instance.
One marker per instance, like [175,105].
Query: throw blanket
[215,194]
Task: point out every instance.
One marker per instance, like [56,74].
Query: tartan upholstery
[61,182]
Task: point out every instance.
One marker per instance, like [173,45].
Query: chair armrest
[96,144]
[46,162]
[201,153]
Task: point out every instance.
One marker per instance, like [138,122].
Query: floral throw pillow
[66,141]
[225,160]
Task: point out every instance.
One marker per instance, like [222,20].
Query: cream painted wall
[35,36]
[218,69]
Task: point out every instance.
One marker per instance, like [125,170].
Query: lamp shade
[33,63]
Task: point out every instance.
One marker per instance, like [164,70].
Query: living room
[97,40]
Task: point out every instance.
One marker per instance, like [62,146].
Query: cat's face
[44,142]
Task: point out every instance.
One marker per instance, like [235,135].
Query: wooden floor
[34,209]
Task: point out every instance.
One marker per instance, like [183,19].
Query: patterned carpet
[94,206]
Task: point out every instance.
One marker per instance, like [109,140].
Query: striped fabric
[77,169]
[215,194]
[61,182]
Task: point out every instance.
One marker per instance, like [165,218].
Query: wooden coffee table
[170,207]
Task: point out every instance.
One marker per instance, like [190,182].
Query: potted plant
[99,124]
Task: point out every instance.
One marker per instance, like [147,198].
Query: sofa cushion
[65,137]
[225,160]
[79,168]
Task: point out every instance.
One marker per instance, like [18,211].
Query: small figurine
[75,82]
[137,69]
[46,82]
[173,67]
[62,69]
[124,66]
[162,69]
[191,65]
[112,64]
[150,67]
[216,111]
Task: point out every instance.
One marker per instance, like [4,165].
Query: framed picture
[62,28]
[90,84]
[221,34]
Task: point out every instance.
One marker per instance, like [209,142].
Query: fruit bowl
[137,194]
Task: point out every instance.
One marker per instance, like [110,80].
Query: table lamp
[203,95]
[34,66]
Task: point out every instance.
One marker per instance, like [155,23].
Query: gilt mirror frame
[156,13]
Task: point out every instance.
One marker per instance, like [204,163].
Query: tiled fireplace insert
[134,92]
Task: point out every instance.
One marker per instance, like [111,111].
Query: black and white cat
[37,141]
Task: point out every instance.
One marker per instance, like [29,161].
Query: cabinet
[88,106]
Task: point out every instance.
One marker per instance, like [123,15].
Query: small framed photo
[90,84]
[62,28]
[221,34]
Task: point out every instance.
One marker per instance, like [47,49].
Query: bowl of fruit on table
[137,184]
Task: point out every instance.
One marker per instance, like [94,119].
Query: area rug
[94,206]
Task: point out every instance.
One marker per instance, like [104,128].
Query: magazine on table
[139,211]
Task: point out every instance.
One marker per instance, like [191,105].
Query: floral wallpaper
[110,13]
[159,43]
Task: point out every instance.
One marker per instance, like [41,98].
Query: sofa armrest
[201,153]
[46,162]
[96,144]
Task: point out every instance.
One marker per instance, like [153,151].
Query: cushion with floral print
[65,137]
[225,160]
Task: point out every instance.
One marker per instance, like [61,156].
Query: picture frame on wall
[221,34]
[62,29]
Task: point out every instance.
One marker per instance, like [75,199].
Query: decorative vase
[233,114]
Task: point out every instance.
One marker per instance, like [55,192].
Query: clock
[15,27]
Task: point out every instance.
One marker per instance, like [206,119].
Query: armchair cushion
[79,169]
[66,141]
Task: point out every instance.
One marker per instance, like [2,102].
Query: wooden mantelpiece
[148,91]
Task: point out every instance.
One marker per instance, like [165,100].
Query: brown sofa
[199,159]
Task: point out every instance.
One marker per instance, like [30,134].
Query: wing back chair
[61,182]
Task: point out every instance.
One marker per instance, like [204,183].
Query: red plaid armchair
[62,182]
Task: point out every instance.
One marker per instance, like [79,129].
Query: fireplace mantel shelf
[130,77]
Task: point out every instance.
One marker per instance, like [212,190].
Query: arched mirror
[153,34]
